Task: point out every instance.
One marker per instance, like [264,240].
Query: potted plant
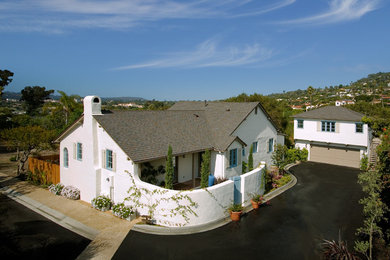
[256,200]
[235,211]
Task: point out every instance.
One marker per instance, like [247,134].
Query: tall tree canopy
[5,79]
[34,97]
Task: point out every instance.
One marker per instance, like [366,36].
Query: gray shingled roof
[222,118]
[187,126]
[331,113]
[146,135]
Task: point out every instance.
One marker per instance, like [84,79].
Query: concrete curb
[53,215]
[159,230]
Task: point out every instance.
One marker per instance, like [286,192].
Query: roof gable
[222,118]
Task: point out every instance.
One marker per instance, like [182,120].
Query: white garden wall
[212,203]
[251,183]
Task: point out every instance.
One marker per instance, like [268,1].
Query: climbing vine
[152,200]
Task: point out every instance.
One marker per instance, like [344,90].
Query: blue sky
[191,50]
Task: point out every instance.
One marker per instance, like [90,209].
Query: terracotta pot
[235,216]
[255,204]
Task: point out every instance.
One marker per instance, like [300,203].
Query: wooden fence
[45,167]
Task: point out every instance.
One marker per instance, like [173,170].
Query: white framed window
[233,158]
[328,126]
[66,157]
[359,127]
[109,160]
[300,123]
[254,147]
[79,153]
[270,145]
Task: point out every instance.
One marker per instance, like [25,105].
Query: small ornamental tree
[169,171]
[205,169]
[250,159]
[279,156]
[27,139]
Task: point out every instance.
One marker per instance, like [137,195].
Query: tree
[205,169]
[169,171]
[250,159]
[373,210]
[5,79]
[69,104]
[34,97]
[310,91]
[279,156]
[27,139]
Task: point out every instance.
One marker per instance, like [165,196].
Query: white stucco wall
[88,174]
[217,164]
[251,183]
[345,133]
[257,127]
[210,207]
[237,170]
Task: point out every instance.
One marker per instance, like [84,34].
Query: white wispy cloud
[208,54]
[339,11]
[59,15]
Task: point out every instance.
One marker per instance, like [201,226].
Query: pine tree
[250,159]
[169,170]
[205,169]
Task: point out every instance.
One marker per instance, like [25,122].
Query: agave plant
[333,250]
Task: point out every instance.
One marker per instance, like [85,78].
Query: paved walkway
[105,230]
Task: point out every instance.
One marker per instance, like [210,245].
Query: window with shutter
[233,158]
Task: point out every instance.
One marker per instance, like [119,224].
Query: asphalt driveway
[323,203]
[25,234]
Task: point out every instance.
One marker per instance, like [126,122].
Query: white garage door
[337,156]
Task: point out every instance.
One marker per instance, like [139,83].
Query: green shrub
[244,167]
[235,207]
[122,211]
[13,158]
[101,203]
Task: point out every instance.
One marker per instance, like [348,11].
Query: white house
[333,134]
[100,149]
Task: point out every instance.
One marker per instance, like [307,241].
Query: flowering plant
[56,188]
[102,203]
[122,211]
[71,192]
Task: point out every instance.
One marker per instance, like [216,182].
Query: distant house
[344,102]
[296,107]
[98,149]
[333,134]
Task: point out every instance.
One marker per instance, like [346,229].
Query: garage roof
[332,113]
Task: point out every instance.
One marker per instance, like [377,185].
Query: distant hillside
[123,99]
[18,95]
[376,84]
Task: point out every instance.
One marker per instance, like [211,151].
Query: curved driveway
[323,202]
